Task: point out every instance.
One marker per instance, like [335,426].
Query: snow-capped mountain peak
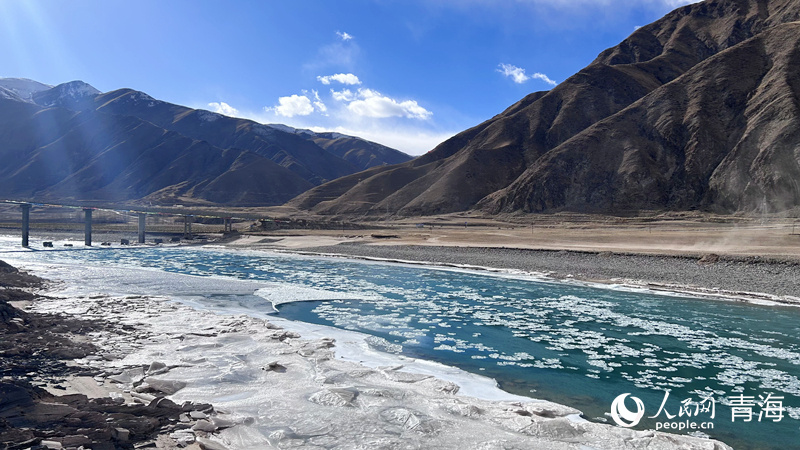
[23,87]
[66,93]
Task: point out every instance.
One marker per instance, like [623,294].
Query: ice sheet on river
[281,293]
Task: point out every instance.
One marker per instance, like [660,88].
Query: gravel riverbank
[711,274]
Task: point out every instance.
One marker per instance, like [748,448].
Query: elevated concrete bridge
[26,207]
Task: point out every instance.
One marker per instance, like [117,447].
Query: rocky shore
[745,277]
[38,371]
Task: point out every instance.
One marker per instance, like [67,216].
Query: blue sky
[406,73]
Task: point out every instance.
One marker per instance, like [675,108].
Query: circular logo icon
[622,415]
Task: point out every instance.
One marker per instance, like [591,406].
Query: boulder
[168,387]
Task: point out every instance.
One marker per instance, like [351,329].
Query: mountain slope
[501,165]
[725,136]
[361,153]
[298,152]
[61,155]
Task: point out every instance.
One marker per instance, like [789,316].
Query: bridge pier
[187,228]
[228,226]
[87,230]
[141,228]
[26,223]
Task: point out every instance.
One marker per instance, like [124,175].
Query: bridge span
[188,219]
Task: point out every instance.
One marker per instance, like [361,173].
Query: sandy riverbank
[283,383]
[673,235]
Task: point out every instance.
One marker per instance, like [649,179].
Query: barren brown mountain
[698,110]
[54,154]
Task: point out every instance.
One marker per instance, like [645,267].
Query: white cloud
[293,105]
[377,118]
[373,104]
[345,95]
[318,104]
[414,137]
[344,78]
[519,76]
[299,105]
[516,73]
[543,77]
[344,36]
[223,108]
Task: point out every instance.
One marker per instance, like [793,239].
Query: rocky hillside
[698,110]
[73,143]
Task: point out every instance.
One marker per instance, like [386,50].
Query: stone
[116,397]
[168,387]
[161,402]
[221,423]
[204,425]
[129,376]
[273,366]
[208,444]
[142,398]
[710,258]
[183,437]
[75,441]
[157,367]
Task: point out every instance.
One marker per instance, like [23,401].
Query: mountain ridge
[294,151]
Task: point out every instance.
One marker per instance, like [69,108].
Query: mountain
[298,152]
[75,93]
[74,143]
[362,153]
[698,110]
[23,88]
[54,154]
